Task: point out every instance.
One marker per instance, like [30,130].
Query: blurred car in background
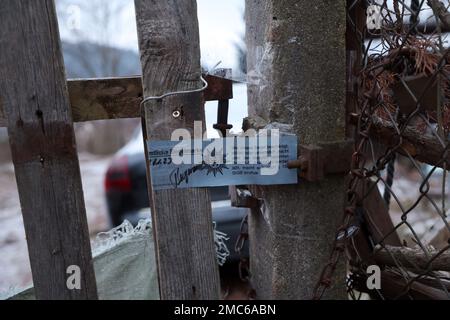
[127,195]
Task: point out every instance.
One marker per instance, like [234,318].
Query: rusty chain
[244,266]
[345,231]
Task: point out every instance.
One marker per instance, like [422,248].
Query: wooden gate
[39,106]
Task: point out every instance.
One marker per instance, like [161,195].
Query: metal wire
[205,86]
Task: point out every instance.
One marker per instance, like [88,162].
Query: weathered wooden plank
[36,105]
[119,98]
[376,215]
[394,286]
[377,225]
[413,259]
[170,57]
[100,99]
[423,147]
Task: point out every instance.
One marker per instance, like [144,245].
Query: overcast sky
[221,26]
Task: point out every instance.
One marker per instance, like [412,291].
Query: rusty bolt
[301,163]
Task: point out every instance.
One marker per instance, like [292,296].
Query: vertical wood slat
[33,92]
[182,222]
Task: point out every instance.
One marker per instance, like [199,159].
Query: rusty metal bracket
[219,87]
[317,161]
[412,88]
[241,197]
[220,82]
[222,117]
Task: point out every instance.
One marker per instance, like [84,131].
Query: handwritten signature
[177,177]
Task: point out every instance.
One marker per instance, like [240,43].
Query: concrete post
[297,70]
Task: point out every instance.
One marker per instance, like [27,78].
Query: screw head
[176,114]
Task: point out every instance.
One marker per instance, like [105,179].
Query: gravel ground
[14,265]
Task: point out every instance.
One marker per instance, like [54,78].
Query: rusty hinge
[317,161]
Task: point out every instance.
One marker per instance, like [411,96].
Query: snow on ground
[14,265]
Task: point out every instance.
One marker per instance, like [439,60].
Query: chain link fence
[399,104]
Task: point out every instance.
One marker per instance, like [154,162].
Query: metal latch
[317,161]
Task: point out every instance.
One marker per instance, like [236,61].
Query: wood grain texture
[120,98]
[170,57]
[395,287]
[377,223]
[376,215]
[35,100]
[423,147]
[101,99]
[413,259]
